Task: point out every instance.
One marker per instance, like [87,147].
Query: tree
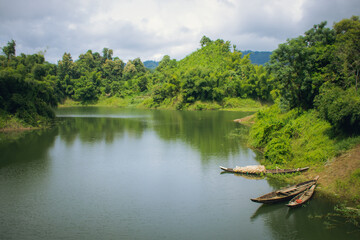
[140,68]
[291,65]
[142,84]
[65,66]
[299,66]
[107,54]
[86,61]
[320,35]
[113,69]
[87,87]
[130,68]
[9,50]
[38,71]
[205,41]
[348,48]
[166,63]
[340,107]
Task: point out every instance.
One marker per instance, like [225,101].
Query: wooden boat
[272,171]
[276,171]
[285,193]
[302,198]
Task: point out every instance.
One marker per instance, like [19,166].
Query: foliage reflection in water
[141,174]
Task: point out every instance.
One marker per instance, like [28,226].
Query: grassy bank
[300,138]
[12,123]
[147,102]
[9,122]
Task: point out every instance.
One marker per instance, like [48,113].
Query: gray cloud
[150,29]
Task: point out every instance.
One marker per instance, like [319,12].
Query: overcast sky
[150,29]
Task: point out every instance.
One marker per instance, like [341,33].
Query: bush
[293,138]
[199,105]
[311,142]
[268,123]
[278,150]
[241,103]
[340,107]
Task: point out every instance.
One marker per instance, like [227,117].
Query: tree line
[316,114]
[319,69]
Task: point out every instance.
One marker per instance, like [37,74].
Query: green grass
[292,139]
[10,122]
[175,103]
[241,103]
[346,143]
[70,103]
[113,102]
[199,105]
[350,186]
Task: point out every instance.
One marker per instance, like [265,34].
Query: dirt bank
[339,177]
[18,129]
[248,120]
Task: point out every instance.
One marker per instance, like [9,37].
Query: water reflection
[244,175]
[26,146]
[99,129]
[204,131]
[265,209]
[142,174]
[306,222]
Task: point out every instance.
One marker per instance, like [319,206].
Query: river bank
[339,174]
[339,177]
[146,102]
[10,123]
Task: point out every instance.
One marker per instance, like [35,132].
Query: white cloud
[150,29]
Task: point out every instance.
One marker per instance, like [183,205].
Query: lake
[111,173]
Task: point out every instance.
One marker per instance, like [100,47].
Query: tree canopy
[319,69]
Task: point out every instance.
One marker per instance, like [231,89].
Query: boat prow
[285,193]
[303,197]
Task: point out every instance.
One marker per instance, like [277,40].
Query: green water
[106,173]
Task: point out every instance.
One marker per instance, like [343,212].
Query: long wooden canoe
[273,171]
[285,193]
[302,198]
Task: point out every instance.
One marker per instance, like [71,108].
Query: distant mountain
[151,64]
[259,58]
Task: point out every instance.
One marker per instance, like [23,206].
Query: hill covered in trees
[312,81]
[214,74]
[256,57]
[314,71]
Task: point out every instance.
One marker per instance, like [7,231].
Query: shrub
[311,142]
[278,150]
[293,138]
[240,103]
[340,107]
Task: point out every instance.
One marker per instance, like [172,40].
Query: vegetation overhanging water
[129,173]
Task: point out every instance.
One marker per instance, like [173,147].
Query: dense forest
[318,70]
[256,57]
[316,114]
[217,73]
